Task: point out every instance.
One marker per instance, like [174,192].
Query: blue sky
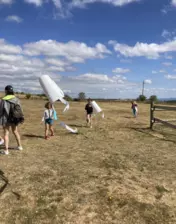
[105,48]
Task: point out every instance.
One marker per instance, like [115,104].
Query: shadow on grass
[77,125]
[6,183]
[128,117]
[32,136]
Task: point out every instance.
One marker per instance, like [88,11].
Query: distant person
[1,141]
[11,116]
[134,108]
[89,111]
[49,116]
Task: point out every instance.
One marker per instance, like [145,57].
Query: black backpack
[16,115]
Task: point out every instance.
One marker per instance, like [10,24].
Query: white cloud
[125,61]
[93,77]
[6,2]
[154,72]
[99,78]
[167,64]
[73,51]
[162,71]
[170,77]
[83,3]
[9,48]
[169,57]
[168,35]
[165,33]
[148,81]
[21,66]
[57,3]
[151,51]
[120,70]
[173,2]
[57,62]
[14,18]
[35,2]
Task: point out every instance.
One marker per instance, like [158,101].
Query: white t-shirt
[49,114]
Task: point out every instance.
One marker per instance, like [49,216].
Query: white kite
[96,108]
[75,131]
[52,90]
[54,93]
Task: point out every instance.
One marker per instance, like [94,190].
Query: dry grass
[118,172]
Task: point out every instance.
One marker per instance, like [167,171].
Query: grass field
[118,172]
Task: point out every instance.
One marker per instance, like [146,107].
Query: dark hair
[9,90]
[88,99]
[48,105]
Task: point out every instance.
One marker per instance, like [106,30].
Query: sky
[105,48]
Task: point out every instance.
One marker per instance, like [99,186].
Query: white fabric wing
[69,128]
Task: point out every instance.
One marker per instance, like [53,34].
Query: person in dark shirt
[89,112]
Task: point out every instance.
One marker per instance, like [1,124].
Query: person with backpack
[11,115]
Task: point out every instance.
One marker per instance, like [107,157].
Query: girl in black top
[89,110]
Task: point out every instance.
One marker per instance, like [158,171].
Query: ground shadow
[129,117]
[77,125]
[32,136]
[6,183]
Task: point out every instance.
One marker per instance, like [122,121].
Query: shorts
[89,114]
[49,121]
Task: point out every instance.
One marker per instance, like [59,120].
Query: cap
[9,88]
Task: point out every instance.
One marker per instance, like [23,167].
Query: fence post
[151,114]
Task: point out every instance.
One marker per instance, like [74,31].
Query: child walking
[49,119]
[89,110]
[134,108]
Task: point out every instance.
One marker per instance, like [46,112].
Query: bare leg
[90,121]
[46,131]
[6,138]
[51,129]
[16,134]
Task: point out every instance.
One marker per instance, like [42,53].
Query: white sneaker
[20,148]
[5,152]
[2,141]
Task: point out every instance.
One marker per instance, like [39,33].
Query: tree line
[82,96]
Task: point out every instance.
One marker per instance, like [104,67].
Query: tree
[28,96]
[82,96]
[68,98]
[153,98]
[141,98]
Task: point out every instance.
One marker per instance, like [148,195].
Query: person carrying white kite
[49,116]
[89,111]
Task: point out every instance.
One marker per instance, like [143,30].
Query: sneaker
[20,148]
[5,152]
[2,141]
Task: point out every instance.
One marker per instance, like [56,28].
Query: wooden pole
[151,114]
